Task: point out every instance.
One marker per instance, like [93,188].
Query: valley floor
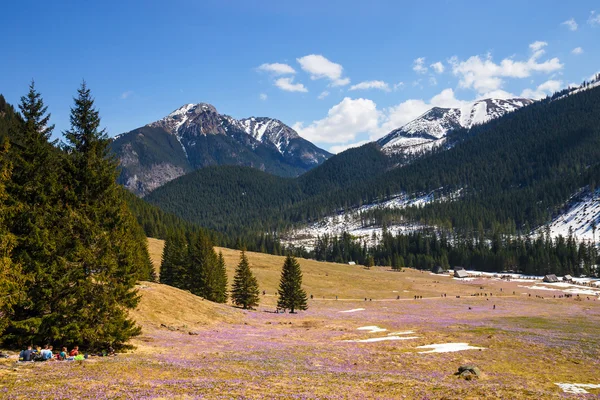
[528,344]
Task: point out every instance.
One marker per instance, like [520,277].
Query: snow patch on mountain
[586,86]
[430,129]
[582,213]
[359,225]
[269,130]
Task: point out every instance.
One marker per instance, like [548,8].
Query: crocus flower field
[526,346]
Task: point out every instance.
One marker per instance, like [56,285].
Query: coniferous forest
[72,251]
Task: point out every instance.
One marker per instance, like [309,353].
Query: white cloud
[277,69]
[496,94]
[571,24]
[288,85]
[538,48]
[320,67]
[594,18]
[263,96]
[419,65]
[381,85]
[323,94]
[543,90]
[340,82]
[398,85]
[342,147]
[484,75]
[446,99]
[432,81]
[438,67]
[577,51]
[343,122]
[126,94]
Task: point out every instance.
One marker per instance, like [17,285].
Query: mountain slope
[249,199]
[512,172]
[196,135]
[430,129]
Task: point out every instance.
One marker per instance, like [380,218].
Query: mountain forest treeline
[71,252]
[427,248]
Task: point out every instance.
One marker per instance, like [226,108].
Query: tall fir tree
[11,282]
[202,262]
[167,265]
[221,280]
[174,269]
[108,253]
[244,292]
[37,222]
[291,295]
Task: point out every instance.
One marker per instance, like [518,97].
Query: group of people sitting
[48,354]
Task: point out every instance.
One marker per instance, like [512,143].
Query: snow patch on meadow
[353,310]
[448,348]
[372,329]
[382,339]
[401,333]
[577,388]
[564,288]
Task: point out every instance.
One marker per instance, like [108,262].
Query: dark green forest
[427,249]
[71,250]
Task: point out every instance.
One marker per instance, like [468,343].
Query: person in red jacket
[74,352]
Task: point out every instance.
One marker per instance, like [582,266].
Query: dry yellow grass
[531,340]
[328,280]
[162,304]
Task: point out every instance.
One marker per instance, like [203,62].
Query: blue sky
[340,72]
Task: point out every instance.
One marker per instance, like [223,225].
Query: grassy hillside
[324,279]
[527,339]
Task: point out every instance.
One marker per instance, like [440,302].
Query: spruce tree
[202,264]
[175,267]
[36,224]
[107,253]
[291,295]
[221,280]
[167,265]
[245,291]
[11,282]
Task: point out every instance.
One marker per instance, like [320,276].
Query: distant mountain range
[430,129]
[196,136]
[512,173]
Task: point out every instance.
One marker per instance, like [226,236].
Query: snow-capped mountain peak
[204,119]
[268,130]
[186,115]
[150,157]
[431,128]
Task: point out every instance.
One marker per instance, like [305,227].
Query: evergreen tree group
[291,295]
[244,292]
[71,251]
[190,263]
[532,255]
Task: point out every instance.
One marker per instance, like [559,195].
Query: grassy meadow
[191,348]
